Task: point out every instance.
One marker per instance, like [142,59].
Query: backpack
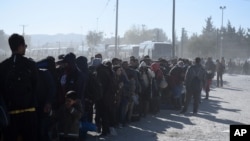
[196,82]
[18,84]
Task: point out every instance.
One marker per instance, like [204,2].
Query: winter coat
[69,119]
[192,72]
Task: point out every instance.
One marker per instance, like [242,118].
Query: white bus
[156,50]
[123,51]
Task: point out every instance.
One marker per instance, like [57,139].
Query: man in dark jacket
[177,75]
[46,98]
[18,88]
[72,78]
[219,73]
[193,88]
[104,75]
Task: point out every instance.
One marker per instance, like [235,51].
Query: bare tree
[94,38]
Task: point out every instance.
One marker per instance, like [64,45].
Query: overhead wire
[106,5]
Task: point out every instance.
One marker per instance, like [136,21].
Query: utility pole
[217,43]
[116,29]
[157,35]
[182,41]
[23,28]
[59,47]
[221,47]
[222,12]
[82,40]
[173,30]
[97,22]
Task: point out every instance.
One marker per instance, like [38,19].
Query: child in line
[68,117]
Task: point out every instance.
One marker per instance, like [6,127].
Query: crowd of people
[61,100]
[238,67]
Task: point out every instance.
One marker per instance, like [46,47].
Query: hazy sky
[81,16]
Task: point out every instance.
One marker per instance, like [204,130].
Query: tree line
[226,41]
[235,43]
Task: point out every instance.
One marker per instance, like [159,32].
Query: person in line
[156,80]
[104,74]
[71,77]
[223,62]
[68,117]
[145,78]
[177,74]
[46,97]
[19,77]
[219,71]
[194,81]
[210,71]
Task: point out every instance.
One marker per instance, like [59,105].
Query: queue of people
[60,100]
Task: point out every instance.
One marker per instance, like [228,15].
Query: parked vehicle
[156,49]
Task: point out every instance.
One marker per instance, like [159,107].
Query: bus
[123,51]
[156,50]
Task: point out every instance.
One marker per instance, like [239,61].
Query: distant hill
[44,39]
